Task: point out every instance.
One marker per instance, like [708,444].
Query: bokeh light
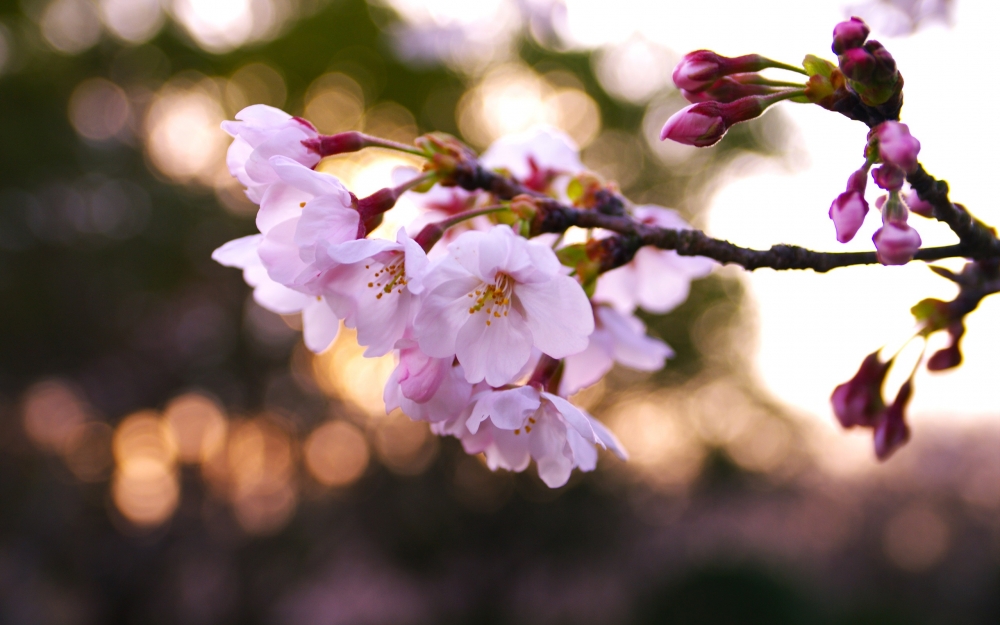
[54,413]
[71,26]
[344,372]
[335,103]
[133,21]
[182,132]
[145,487]
[261,474]
[98,109]
[197,427]
[336,453]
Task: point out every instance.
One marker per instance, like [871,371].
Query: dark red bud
[859,400]
[342,143]
[857,64]
[849,34]
[891,431]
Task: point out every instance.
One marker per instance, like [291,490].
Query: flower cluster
[490,330]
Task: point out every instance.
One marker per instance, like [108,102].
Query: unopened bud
[858,401]
[918,206]
[951,356]
[729,89]
[849,34]
[701,68]
[889,177]
[891,431]
[896,146]
[857,65]
[705,123]
[341,143]
[896,243]
[848,213]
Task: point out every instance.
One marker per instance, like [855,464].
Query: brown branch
[554,216]
[972,232]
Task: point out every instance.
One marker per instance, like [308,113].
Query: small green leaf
[817,66]
[574,190]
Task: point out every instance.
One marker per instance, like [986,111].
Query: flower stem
[432,233]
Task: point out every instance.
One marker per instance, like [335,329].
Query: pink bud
[849,34]
[896,243]
[699,69]
[729,89]
[699,124]
[951,356]
[889,177]
[859,400]
[896,146]
[342,143]
[848,213]
[918,206]
[705,123]
[891,431]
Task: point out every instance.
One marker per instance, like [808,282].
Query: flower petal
[494,352]
[558,314]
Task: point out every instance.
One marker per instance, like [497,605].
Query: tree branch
[608,215]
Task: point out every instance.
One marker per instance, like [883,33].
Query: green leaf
[817,66]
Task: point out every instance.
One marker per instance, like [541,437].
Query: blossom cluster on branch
[496,312]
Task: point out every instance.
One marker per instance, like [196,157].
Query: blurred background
[171,453]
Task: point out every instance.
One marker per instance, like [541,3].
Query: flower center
[494,298]
[388,276]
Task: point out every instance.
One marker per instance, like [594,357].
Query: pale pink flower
[511,427]
[617,338]
[262,132]
[425,388]
[319,324]
[494,297]
[373,284]
[657,280]
[896,243]
[301,216]
[530,156]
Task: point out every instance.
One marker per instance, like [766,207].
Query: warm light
[335,103]
[255,83]
[662,446]
[218,25]
[635,70]
[146,492]
[53,414]
[261,483]
[98,109]
[404,445]
[916,539]
[513,98]
[183,136]
[143,437]
[336,453]
[89,456]
[197,426]
[343,371]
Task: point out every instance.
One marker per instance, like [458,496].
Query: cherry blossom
[535,156]
[425,388]
[617,338]
[301,216]
[494,297]
[262,132]
[373,285]
[319,324]
[513,426]
[657,280]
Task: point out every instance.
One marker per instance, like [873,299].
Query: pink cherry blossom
[657,280]
[513,426]
[373,284]
[896,243]
[700,124]
[617,338]
[319,324]
[896,146]
[495,297]
[425,388]
[262,132]
[301,216]
[540,151]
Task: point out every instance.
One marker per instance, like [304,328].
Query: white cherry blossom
[617,338]
[302,216]
[319,324]
[262,132]
[373,284]
[495,297]
[656,280]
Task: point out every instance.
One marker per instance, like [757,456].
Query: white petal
[618,288]
[280,203]
[442,314]
[280,255]
[319,326]
[572,415]
[559,315]
[312,182]
[494,352]
[584,453]
[632,347]
[610,440]
[507,410]
[587,367]
[241,253]
[549,449]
